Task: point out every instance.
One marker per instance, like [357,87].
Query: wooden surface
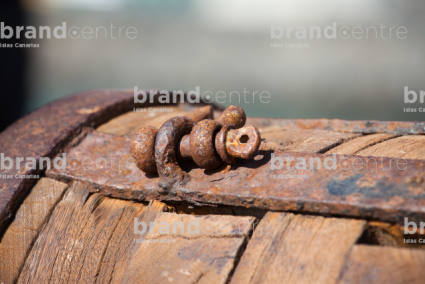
[91,238]
[373,264]
[307,141]
[17,241]
[290,137]
[127,124]
[408,147]
[355,145]
[297,249]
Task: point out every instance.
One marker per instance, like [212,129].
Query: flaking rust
[385,193]
[209,143]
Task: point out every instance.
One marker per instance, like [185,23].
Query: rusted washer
[202,146]
[142,148]
[244,142]
[233,115]
[167,140]
[220,144]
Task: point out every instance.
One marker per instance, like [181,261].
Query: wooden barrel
[323,201]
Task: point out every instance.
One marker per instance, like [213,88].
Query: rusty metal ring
[239,147]
[142,148]
[202,144]
[220,144]
[167,140]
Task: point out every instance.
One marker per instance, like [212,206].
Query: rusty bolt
[220,144]
[233,115]
[167,138]
[208,144]
[227,143]
[244,142]
[201,144]
[142,146]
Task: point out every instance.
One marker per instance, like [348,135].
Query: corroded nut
[233,115]
[220,144]
[244,142]
[142,148]
[167,140]
[202,144]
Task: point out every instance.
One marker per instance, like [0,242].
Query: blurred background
[221,45]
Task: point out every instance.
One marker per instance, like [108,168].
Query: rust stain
[372,193]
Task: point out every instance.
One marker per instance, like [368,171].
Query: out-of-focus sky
[224,45]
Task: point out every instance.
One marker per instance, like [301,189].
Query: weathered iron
[143,142]
[165,151]
[200,144]
[143,148]
[233,115]
[46,131]
[376,192]
[243,143]
[220,144]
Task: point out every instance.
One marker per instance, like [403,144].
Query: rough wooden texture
[19,237]
[373,264]
[297,140]
[389,234]
[355,145]
[184,208]
[207,257]
[408,147]
[127,124]
[92,238]
[287,248]
[46,131]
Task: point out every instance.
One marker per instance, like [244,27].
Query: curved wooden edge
[47,130]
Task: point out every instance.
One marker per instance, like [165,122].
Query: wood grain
[19,237]
[407,147]
[297,140]
[127,124]
[355,145]
[92,239]
[373,264]
[297,249]
[207,257]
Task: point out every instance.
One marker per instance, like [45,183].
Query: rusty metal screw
[209,144]
[142,146]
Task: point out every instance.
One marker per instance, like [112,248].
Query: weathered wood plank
[38,267]
[207,257]
[92,238]
[355,145]
[46,131]
[407,147]
[297,249]
[127,124]
[389,265]
[17,241]
[298,140]
[390,234]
